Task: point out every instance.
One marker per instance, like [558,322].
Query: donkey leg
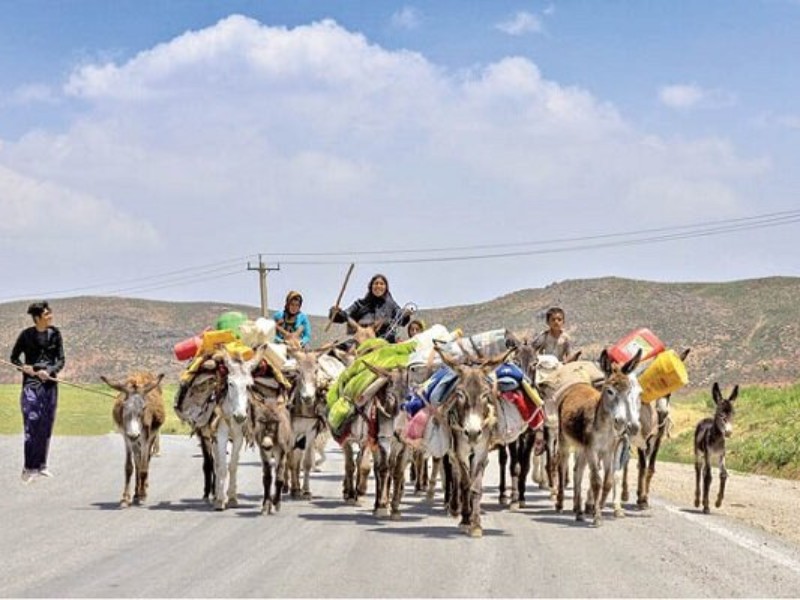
[723,478]
[381,469]
[308,466]
[436,468]
[502,459]
[348,484]
[577,478]
[126,490]
[514,470]
[399,460]
[698,469]
[706,486]
[266,481]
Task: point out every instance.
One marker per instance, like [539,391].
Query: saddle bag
[436,438]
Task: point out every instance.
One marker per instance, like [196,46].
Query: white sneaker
[29,475]
[45,472]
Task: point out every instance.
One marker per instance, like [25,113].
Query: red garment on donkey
[532,414]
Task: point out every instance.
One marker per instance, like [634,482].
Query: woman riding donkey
[291,323]
[377,309]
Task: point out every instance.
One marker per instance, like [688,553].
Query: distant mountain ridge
[740,332]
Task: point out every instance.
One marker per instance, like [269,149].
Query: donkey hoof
[514,506]
[350,501]
[306,495]
[124,503]
[596,522]
[718,503]
[396,516]
[643,505]
[503,500]
[465,527]
[219,506]
[580,517]
[266,509]
[476,532]
[706,510]
[233,502]
[619,513]
[697,503]
[522,504]
[624,496]
[429,499]
[381,512]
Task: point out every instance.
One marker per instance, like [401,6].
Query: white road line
[742,540]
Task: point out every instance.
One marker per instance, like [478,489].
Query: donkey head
[723,416]
[395,391]
[364,332]
[525,354]
[621,392]
[239,383]
[130,408]
[304,386]
[474,396]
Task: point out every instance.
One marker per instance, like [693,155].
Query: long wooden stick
[341,293]
[56,380]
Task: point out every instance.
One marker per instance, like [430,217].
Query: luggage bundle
[664,375]
[357,383]
[521,406]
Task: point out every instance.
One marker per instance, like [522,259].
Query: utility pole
[263,270]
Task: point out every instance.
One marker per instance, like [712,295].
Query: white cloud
[241,138]
[30,94]
[690,96]
[520,24]
[407,17]
[52,217]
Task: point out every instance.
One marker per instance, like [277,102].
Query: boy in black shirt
[43,350]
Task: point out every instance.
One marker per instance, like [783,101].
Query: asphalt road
[66,537]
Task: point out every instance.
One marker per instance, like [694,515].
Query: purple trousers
[38,401]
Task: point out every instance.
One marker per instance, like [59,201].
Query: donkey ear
[684,354]
[605,362]
[446,359]
[512,341]
[114,385]
[716,394]
[734,393]
[629,366]
[573,357]
[153,384]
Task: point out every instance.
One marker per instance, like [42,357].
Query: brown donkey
[591,421]
[709,442]
[138,413]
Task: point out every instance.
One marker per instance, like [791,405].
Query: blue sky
[465,149]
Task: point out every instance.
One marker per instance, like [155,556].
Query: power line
[573,248]
[766,217]
[222,269]
[202,269]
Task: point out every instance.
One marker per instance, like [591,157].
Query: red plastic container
[188,348]
[627,347]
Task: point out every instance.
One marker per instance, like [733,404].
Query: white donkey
[232,426]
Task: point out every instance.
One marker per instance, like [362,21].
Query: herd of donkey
[237,401]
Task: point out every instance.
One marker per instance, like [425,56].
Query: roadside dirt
[764,502]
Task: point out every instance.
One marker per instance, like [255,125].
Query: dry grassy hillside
[745,331]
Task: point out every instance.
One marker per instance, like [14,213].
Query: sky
[466,150]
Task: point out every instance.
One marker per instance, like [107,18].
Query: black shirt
[42,350]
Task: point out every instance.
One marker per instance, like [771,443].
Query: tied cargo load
[666,374]
[639,339]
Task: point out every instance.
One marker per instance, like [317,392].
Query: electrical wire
[225,268]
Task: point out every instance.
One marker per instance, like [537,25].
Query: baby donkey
[709,442]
